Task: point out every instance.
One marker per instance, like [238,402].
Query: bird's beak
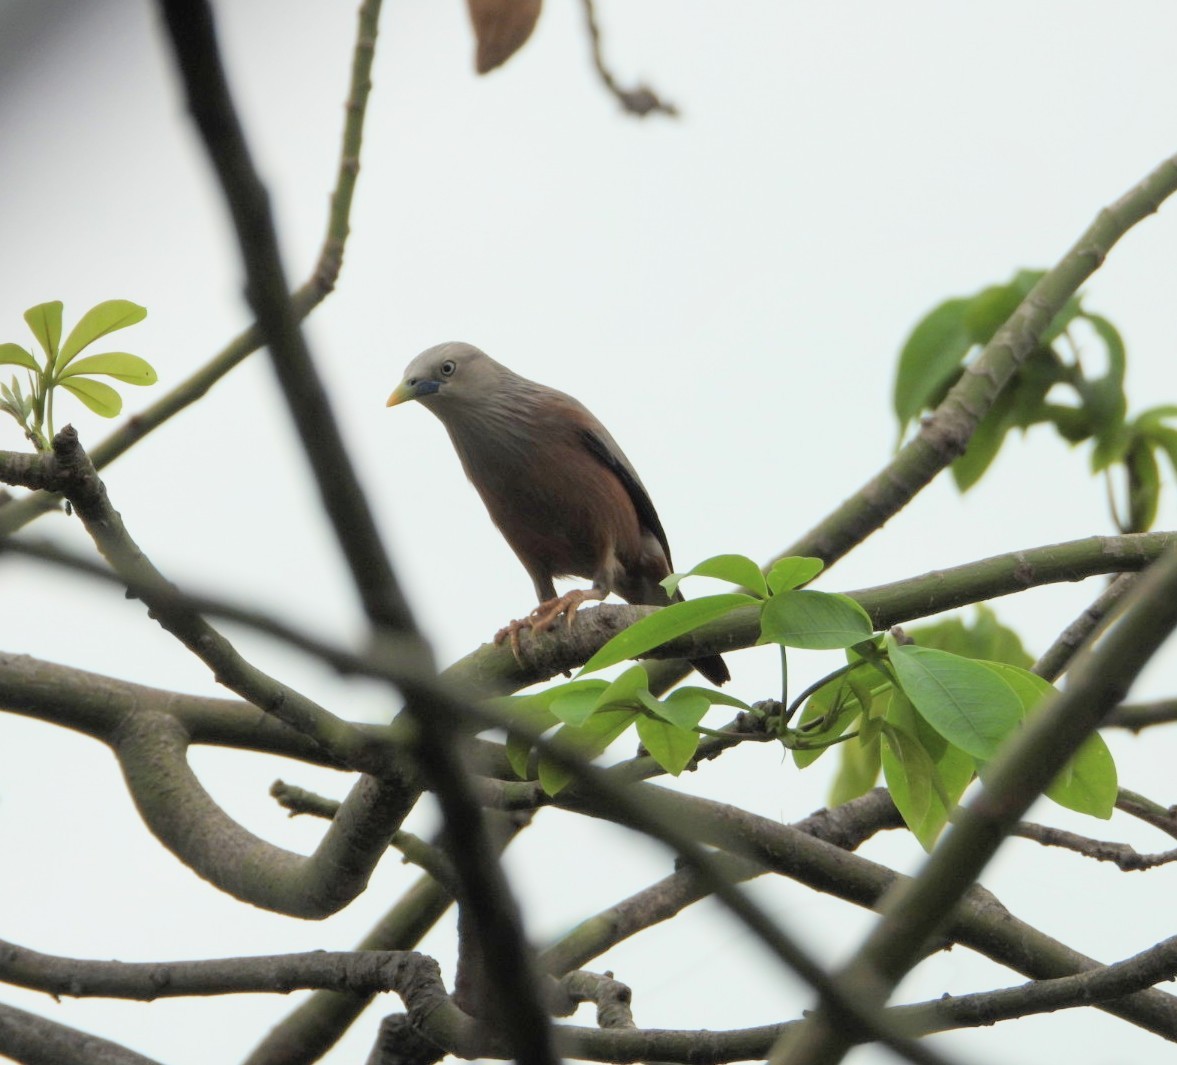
[412,389]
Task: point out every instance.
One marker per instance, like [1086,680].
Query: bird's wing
[602,448]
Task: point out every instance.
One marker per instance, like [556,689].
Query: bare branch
[640,101]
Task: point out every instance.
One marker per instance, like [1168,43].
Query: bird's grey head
[449,376]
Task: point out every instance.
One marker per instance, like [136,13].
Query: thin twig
[193,37]
[305,299]
[1084,629]
[640,101]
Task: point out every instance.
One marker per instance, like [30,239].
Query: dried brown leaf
[501,27]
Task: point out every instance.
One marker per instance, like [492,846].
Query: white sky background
[728,292]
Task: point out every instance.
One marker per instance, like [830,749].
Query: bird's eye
[448,367]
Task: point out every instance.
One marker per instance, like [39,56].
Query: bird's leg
[544,616]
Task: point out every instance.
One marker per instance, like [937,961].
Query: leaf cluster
[929,710]
[1053,387]
[60,367]
[591,713]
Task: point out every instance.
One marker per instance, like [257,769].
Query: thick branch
[34,1040]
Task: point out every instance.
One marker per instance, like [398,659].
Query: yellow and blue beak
[412,388]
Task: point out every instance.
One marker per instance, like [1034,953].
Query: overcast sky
[726,291]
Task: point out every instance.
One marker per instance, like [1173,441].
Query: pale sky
[727,292]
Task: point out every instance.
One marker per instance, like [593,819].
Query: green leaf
[15,355]
[118,364]
[814,620]
[575,703]
[950,773]
[1089,783]
[1030,688]
[1165,439]
[99,320]
[714,697]
[518,752]
[530,712]
[739,569]
[986,638]
[789,573]
[587,741]
[684,707]
[45,322]
[930,358]
[857,773]
[908,771]
[990,309]
[100,398]
[963,700]
[984,444]
[1144,487]
[670,746]
[624,690]
[666,624]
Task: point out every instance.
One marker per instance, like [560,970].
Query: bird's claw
[511,631]
[542,618]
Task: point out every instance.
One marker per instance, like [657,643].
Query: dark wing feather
[647,515]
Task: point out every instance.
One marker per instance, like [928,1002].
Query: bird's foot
[544,616]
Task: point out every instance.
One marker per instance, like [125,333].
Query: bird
[555,483]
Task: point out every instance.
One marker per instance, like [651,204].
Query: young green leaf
[1165,439]
[984,444]
[118,364]
[714,697]
[908,771]
[990,309]
[45,322]
[1089,783]
[789,573]
[666,624]
[587,740]
[100,398]
[819,621]
[670,746]
[684,707]
[1030,688]
[625,689]
[1144,487]
[574,706]
[932,354]
[963,700]
[985,638]
[739,569]
[857,773]
[15,355]
[99,320]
